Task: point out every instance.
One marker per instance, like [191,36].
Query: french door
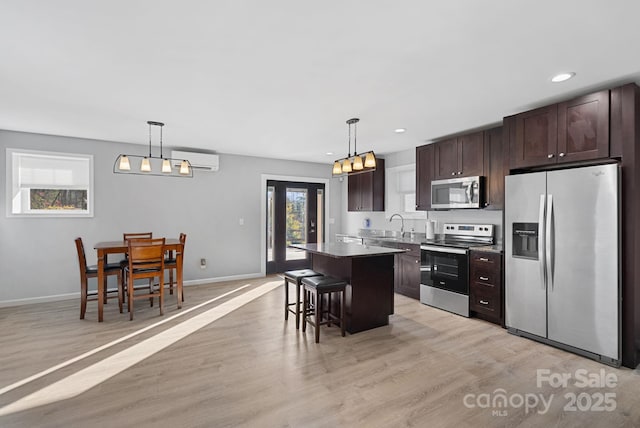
[295,215]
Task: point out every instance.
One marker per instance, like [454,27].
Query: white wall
[38,257]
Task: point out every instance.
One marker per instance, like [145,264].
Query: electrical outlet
[203,263]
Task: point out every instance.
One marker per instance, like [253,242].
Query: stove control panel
[468,230]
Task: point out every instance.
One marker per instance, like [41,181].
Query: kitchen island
[369,274]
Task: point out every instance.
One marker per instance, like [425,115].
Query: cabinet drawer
[485,302]
[480,258]
[487,276]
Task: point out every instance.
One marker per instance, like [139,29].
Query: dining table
[121,247]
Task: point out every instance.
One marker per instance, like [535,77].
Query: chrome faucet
[401,225]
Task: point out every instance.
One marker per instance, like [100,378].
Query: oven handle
[437,249]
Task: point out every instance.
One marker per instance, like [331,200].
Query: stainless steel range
[444,266]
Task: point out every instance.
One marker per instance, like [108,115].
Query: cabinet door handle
[417,261]
[483,259]
[561,155]
[453,173]
[484,278]
[550,155]
[459,172]
[484,302]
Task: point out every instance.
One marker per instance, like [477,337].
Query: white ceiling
[280,78]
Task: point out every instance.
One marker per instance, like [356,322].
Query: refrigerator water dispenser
[525,240]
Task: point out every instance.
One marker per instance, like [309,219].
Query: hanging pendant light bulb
[346,165]
[166,166]
[357,163]
[124,164]
[370,160]
[185,168]
[337,168]
[145,165]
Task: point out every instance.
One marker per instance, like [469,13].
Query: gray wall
[37,255]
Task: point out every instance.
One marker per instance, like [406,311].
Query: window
[48,184]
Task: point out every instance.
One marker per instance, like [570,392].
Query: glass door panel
[270,222]
[296,224]
[319,224]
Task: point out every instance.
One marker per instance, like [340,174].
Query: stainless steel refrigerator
[561,259]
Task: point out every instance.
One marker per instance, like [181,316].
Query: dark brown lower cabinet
[407,272]
[486,290]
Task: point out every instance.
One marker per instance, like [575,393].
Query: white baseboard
[223,278]
[68,296]
[44,299]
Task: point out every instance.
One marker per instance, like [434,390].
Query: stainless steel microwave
[462,192]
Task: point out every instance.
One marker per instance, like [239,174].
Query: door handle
[548,241]
[541,252]
[484,278]
[484,302]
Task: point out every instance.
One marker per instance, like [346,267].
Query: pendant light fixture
[354,164]
[153,165]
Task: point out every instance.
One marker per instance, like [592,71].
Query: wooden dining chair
[137,235]
[125,262]
[87,272]
[171,263]
[146,261]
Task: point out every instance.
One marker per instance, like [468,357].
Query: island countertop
[345,250]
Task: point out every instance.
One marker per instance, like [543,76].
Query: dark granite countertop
[497,248]
[342,250]
[405,240]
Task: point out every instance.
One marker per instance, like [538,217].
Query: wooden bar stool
[295,277]
[316,288]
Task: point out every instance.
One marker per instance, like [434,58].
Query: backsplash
[352,222]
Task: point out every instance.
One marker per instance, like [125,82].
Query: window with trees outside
[49,184]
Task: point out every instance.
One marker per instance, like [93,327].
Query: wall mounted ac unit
[201,161]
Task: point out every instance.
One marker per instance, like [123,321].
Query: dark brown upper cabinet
[495,168]
[459,157]
[424,175]
[583,128]
[366,190]
[570,131]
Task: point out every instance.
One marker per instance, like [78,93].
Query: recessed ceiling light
[329,153]
[561,77]
[399,130]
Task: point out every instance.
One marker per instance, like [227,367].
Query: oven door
[445,268]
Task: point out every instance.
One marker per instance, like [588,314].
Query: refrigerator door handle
[541,247]
[548,241]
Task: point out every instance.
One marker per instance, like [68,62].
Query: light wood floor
[251,368]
